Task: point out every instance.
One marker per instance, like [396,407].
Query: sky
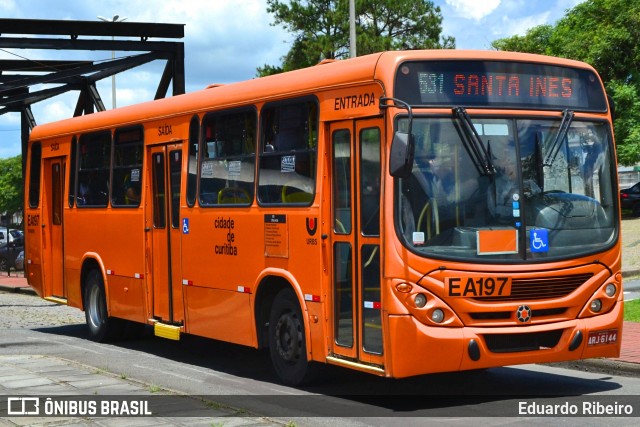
[226,40]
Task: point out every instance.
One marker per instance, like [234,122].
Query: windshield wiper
[478,153]
[567,117]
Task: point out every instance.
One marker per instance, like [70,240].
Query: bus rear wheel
[102,328]
[287,344]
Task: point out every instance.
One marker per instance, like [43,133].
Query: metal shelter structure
[51,78]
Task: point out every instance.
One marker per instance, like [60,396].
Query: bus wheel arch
[102,327]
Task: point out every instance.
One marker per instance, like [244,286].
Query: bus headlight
[420,300]
[610,290]
[596,305]
[437,316]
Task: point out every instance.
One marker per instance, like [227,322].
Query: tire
[102,328]
[287,343]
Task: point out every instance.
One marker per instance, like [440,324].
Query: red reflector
[244,289]
[187,282]
[139,276]
[312,298]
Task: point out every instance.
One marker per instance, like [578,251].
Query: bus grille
[513,343]
[541,288]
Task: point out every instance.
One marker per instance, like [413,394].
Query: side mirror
[402,152]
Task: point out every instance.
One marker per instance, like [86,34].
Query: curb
[606,366]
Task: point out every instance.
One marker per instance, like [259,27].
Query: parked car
[630,199]
[13,234]
[20,261]
[8,254]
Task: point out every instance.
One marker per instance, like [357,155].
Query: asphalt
[44,376]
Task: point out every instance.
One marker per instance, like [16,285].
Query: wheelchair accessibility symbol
[185,225]
[539,240]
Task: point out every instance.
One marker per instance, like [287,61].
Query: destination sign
[499,84]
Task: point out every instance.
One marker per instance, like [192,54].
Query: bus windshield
[549,193]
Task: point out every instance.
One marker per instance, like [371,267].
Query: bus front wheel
[287,344]
[101,327]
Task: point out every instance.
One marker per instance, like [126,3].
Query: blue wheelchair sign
[539,240]
[185,225]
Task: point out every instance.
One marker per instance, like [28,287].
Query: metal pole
[113,57]
[352,28]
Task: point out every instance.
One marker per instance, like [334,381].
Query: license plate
[603,337]
[478,287]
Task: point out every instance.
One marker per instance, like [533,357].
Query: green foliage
[536,40]
[11,185]
[632,310]
[321,29]
[603,33]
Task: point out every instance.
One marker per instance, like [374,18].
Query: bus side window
[227,164]
[194,131]
[93,169]
[289,153]
[127,167]
[34,175]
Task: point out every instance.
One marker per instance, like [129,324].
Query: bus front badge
[523,313]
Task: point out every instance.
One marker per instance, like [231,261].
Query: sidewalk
[35,379]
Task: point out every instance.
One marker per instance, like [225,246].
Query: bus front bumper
[420,349]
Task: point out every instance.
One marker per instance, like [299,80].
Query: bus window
[159,212]
[288,155]
[93,170]
[228,158]
[341,181]
[127,167]
[192,173]
[370,182]
[175,174]
[72,172]
[34,178]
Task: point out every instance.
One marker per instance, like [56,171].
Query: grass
[632,310]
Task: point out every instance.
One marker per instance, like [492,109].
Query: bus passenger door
[355,240]
[52,224]
[166,173]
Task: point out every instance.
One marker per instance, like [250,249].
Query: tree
[603,33]
[11,185]
[321,29]
[399,25]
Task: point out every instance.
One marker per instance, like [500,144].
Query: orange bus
[400,213]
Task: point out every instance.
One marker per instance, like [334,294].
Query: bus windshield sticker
[418,238]
[288,164]
[539,240]
[207,170]
[135,175]
[235,168]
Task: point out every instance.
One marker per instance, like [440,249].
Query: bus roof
[365,69]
